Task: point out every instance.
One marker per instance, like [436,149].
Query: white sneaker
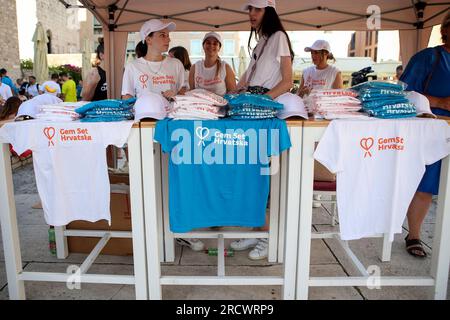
[243,244]
[194,244]
[260,251]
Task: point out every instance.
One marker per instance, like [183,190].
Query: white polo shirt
[142,75]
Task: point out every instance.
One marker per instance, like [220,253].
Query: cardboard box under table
[120,221]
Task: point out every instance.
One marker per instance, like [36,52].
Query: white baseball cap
[259,4]
[293,106]
[422,104]
[319,45]
[154,25]
[150,105]
[214,35]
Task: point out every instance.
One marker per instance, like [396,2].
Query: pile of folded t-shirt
[252,106]
[107,110]
[198,104]
[63,111]
[334,104]
[386,100]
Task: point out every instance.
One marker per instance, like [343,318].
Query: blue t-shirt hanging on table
[219,170]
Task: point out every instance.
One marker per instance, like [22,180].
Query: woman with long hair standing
[270,73]
[95,87]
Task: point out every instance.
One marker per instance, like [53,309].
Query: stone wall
[9,42]
[61,24]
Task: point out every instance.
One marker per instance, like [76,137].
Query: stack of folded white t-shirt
[198,104]
[62,112]
[334,104]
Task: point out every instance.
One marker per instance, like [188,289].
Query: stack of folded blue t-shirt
[107,110]
[385,100]
[252,106]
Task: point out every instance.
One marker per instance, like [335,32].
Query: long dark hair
[11,107]
[100,49]
[270,24]
[183,55]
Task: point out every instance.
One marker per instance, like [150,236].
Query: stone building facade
[9,42]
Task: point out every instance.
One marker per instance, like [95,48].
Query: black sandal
[413,246]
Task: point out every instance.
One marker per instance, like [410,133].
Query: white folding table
[16,276]
[312,132]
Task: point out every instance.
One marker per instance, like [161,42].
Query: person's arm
[286,78]
[242,81]
[230,79]
[338,84]
[88,91]
[302,90]
[440,103]
[192,77]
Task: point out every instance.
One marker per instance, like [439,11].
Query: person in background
[398,72]
[95,87]
[182,54]
[428,72]
[69,88]
[22,85]
[51,86]
[79,89]
[7,80]
[33,87]
[321,75]
[5,90]
[9,110]
[212,73]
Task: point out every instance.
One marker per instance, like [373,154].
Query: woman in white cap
[270,73]
[321,75]
[154,73]
[212,73]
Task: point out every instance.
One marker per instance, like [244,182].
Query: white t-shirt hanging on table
[268,66]
[142,75]
[205,78]
[379,165]
[70,165]
[320,79]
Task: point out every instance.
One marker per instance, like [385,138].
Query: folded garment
[248,99]
[109,103]
[397,86]
[206,95]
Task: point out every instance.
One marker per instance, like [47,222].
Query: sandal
[415,248]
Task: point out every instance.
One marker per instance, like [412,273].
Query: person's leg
[417,211]
[419,207]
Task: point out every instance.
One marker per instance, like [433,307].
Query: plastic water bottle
[215,252]
[52,240]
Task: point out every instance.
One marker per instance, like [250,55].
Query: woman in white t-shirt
[212,73]
[182,54]
[321,75]
[270,73]
[154,74]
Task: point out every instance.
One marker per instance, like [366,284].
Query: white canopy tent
[414,19]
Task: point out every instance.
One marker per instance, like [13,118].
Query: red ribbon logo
[366,144]
[49,132]
[143,79]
